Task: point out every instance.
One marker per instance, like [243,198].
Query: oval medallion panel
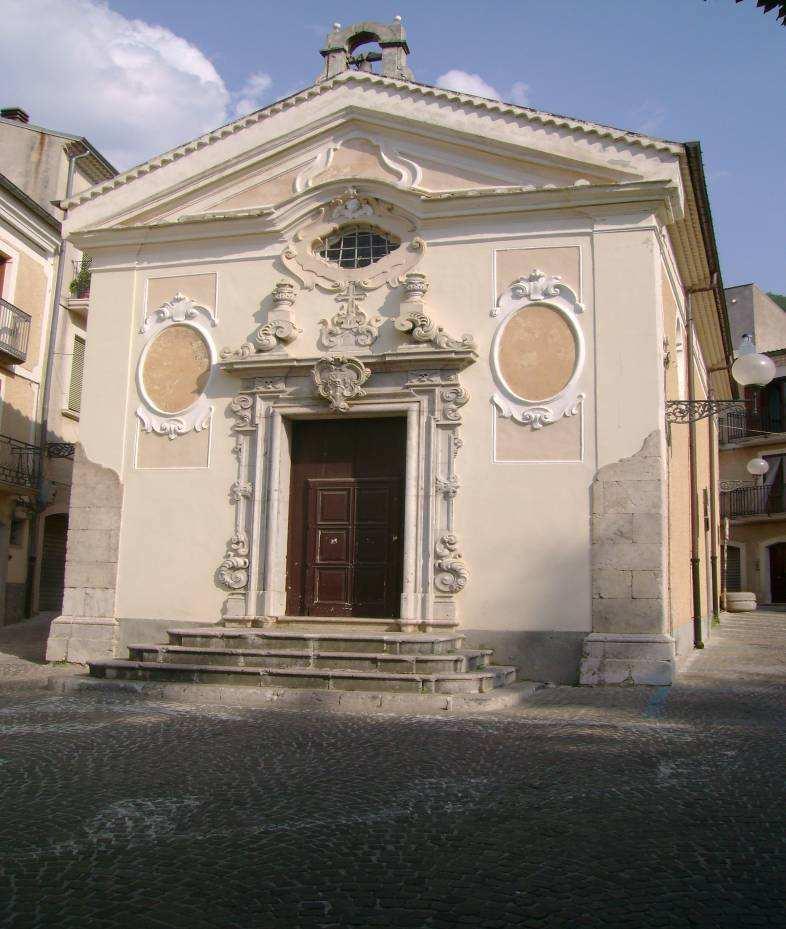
[537,353]
[176,368]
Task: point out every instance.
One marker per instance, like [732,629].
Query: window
[356,246]
[77,368]
[16,534]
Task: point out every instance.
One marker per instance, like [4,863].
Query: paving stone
[583,807]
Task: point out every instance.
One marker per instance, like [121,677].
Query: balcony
[20,463]
[750,500]
[14,333]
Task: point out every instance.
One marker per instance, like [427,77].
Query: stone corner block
[80,639]
[627,660]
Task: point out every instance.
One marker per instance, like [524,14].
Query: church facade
[387,366]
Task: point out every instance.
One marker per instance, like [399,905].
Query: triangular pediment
[361,127]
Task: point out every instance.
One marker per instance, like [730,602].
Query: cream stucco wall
[524,525]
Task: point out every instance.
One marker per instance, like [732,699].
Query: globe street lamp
[751,368]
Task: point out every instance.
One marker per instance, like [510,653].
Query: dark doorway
[778,572]
[346,518]
[53,555]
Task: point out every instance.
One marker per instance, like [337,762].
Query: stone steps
[480,681]
[465,660]
[313,653]
[397,643]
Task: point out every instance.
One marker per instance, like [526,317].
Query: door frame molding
[433,572]
[764,562]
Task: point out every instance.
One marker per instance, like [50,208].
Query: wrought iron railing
[736,426]
[14,332]
[20,462]
[752,500]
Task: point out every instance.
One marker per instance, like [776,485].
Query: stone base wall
[14,602]
[88,628]
[629,644]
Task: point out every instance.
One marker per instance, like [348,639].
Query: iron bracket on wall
[690,411]
[60,450]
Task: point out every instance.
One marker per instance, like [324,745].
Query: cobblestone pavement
[649,807]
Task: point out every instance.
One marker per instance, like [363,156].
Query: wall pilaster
[629,643]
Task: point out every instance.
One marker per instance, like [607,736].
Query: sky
[138,77]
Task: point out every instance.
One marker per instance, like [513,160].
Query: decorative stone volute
[280,326]
[414,320]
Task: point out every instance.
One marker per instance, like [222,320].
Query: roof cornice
[425,90]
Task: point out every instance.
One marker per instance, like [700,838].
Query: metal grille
[356,246]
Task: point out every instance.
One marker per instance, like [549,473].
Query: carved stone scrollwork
[280,328]
[268,336]
[453,398]
[418,324]
[350,206]
[339,379]
[239,490]
[242,408]
[173,426]
[450,572]
[448,488]
[233,570]
[179,309]
[350,324]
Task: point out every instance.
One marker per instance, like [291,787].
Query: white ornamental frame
[195,417]
[539,289]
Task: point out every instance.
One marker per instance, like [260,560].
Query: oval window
[176,368]
[356,246]
[537,353]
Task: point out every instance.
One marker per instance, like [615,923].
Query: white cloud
[467,83]
[253,93]
[648,117]
[134,89]
[519,93]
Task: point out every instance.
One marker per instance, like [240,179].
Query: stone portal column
[630,643]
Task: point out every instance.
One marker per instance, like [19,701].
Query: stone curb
[335,700]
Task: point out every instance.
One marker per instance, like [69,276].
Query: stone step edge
[360,621]
[235,632]
[494,671]
[294,653]
[272,697]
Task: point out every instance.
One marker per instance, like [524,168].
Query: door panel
[345,529]
[778,572]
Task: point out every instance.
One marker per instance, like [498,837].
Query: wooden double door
[346,517]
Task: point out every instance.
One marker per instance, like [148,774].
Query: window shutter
[77,369]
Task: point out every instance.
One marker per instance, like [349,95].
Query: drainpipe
[32,539]
[695,574]
[713,444]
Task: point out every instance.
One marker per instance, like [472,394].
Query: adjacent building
[754,507]
[42,338]
[384,378]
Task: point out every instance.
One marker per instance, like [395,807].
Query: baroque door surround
[420,383]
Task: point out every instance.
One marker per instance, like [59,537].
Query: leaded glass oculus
[356,246]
